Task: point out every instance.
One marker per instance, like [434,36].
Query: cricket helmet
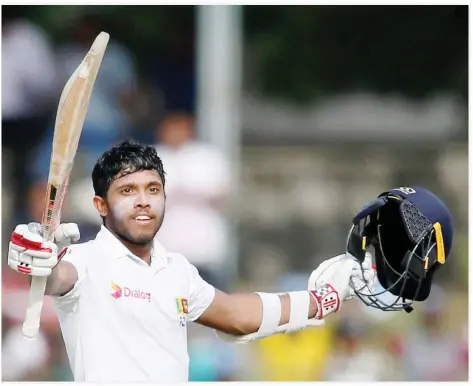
[410,231]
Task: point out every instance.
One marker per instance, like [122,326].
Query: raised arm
[29,254]
[62,279]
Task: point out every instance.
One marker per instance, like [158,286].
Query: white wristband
[271,313]
[300,303]
[298,317]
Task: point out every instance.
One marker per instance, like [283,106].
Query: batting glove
[30,254]
[330,283]
[364,276]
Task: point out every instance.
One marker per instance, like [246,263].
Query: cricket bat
[70,117]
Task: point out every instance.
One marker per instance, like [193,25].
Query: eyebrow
[133,184]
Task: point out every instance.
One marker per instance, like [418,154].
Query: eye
[154,190]
[127,190]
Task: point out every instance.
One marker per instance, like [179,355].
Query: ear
[101,206]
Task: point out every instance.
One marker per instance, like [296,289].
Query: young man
[123,301]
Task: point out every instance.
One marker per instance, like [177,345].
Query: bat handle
[35,304]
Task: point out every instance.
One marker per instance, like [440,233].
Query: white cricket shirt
[125,320]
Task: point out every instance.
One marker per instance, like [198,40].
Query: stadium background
[336,104]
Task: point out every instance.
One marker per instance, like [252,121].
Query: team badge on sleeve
[183,310]
[182,307]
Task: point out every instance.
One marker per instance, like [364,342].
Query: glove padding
[333,281]
[30,254]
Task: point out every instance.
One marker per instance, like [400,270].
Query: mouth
[143,219]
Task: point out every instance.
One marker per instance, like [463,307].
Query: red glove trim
[60,256]
[23,242]
[321,296]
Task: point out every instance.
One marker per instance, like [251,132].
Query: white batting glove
[30,254]
[330,283]
[364,277]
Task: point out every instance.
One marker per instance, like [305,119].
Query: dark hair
[125,158]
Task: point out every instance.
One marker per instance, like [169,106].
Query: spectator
[28,86]
[197,186]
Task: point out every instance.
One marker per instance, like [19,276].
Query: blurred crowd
[277,238]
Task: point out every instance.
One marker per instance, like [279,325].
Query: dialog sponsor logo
[127,292]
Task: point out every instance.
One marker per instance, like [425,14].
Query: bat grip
[35,304]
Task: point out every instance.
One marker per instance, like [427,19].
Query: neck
[141,251]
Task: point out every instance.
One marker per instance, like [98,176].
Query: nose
[142,200]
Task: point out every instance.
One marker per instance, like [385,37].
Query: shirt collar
[117,249]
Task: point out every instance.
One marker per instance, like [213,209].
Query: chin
[143,238]
[140,240]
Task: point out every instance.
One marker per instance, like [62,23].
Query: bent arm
[62,279]
[242,314]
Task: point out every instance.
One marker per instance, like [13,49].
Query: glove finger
[49,250]
[365,281]
[31,241]
[359,268]
[357,283]
[16,248]
[13,263]
[25,259]
[357,271]
[368,262]
[38,254]
[44,263]
[13,254]
[368,272]
[372,280]
[19,267]
[23,245]
[36,227]
[67,233]
[343,278]
[29,269]
[21,229]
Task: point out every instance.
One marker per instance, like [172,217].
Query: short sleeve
[67,301]
[201,294]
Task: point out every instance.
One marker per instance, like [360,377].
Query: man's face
[135,206]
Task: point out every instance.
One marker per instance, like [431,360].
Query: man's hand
[30,254]
[364,276]
[331,282]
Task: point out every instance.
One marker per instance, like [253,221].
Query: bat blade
[70,117]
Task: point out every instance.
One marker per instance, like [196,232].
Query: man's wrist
[313,306]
